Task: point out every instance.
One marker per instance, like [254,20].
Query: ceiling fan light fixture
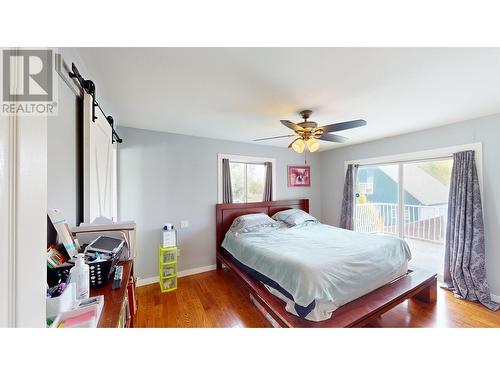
[298,145]
[312,145]
[307,133]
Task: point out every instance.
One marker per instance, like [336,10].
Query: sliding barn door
[99,197]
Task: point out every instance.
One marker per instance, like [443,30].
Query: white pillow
[294,216]
[252,223]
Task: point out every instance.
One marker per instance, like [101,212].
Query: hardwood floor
[216,299]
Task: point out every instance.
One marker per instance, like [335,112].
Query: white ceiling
[241,93]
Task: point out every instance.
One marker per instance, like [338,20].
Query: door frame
[23,229]
[23,219]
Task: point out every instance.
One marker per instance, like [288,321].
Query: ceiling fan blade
[291,125]
[343,126]
[333,138]
[279,136]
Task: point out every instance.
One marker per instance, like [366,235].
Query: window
[248,177]
[247,181]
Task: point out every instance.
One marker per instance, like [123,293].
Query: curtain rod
[89,87]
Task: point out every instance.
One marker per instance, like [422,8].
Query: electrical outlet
[184,223]
[178,252]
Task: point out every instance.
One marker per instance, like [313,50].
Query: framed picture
[299,176]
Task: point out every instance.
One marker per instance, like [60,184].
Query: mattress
[316,268]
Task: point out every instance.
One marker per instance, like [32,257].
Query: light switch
[184,223]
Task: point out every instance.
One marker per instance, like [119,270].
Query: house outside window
[366,188]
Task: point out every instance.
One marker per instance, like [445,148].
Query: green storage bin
[167,268]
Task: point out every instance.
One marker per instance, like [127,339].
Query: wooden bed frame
[417,284]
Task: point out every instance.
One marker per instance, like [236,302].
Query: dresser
[120,305]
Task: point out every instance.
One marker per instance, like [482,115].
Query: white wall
[166,177]
[485,130]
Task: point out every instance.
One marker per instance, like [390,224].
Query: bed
[381,291]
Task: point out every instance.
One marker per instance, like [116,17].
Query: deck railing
[426,223]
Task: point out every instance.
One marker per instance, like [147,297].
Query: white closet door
[98,167]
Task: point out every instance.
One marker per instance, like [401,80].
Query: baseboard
[194,271]
[191,271]
[495,298]
[147,281]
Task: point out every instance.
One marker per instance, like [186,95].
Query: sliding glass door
[426,190]
[409,200]
[377,199]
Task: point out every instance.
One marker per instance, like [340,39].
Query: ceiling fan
[308,132]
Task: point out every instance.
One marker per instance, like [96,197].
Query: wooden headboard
[227,212]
